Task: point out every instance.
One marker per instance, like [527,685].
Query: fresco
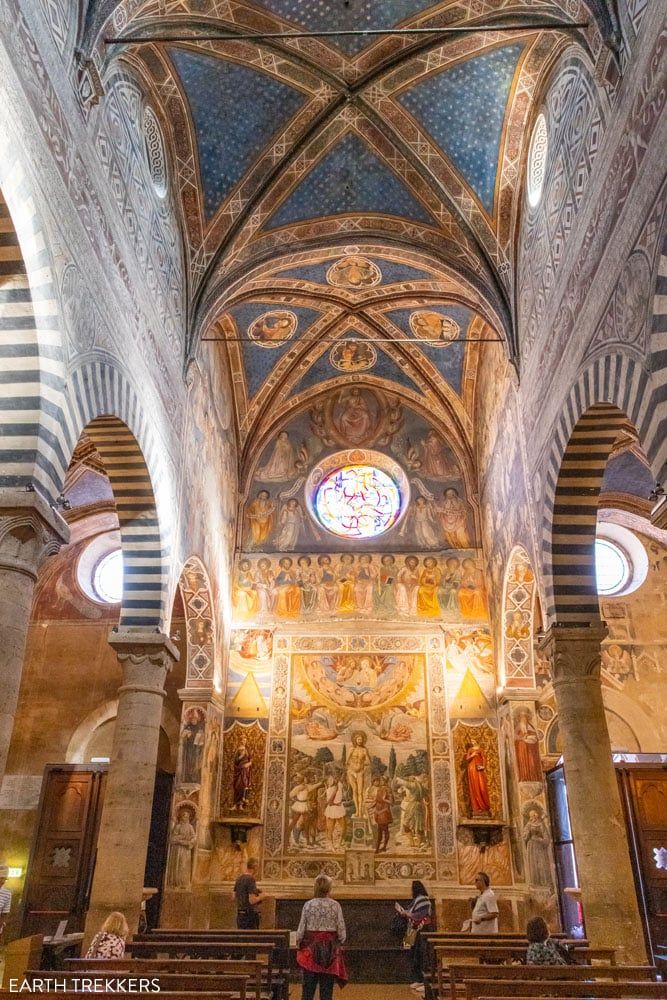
[353,356]
[246,723]
[386,587]
[439,515]
[359,768]
[518,622]
[354,272]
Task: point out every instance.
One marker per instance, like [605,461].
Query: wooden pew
[68,995]
[460,974]
[198,971]
[223,947]
[475,989]
[234,984]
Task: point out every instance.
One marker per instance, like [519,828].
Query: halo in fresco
[354,272]
[353,356]
[357,501]
[437,329]
[274,328]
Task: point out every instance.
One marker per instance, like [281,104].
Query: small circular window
[108,578]
[157,161]
[358,501]
[537,160]
[612,567]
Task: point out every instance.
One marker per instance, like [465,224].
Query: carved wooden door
[648,787]
[62,857]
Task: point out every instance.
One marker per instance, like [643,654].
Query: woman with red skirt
[319,938]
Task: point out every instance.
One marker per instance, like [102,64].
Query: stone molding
[574,651]
[30,531]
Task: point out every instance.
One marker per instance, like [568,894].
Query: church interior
[333,458]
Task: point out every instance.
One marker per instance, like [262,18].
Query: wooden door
[61,861]
[649,796]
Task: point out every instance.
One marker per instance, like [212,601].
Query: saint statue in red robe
[478,787]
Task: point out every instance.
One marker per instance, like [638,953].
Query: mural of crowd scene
[518,622]
[438,516]
[359,767]
[446,588]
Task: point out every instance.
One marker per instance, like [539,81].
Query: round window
[108,578]
[357,501]
[612,567]
[537,161]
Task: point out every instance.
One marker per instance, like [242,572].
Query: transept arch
[31,347]
[101,402]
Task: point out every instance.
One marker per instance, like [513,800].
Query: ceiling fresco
[349,204]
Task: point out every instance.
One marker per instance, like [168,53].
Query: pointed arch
[102,402]
[197,596]
[517,661]
[31,355]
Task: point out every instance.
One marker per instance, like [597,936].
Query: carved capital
[30,531]
[146,659]
[574,651]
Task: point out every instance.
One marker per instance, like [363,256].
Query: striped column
[122,844]
[29,532]
[609,898]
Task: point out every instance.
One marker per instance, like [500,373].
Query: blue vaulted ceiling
[346,15]
[384,367]
[259,361]
[236,111]
[391,271]
[448,360]
[463,108]
[350,179]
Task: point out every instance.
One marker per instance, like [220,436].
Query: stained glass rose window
[357,501]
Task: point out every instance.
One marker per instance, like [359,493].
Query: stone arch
[197,596]
[610,393]
[519,596]
[655,425]
[30,344]
[106,712]
[102,403]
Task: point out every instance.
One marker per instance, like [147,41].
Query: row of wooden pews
[184,965]
[476,968]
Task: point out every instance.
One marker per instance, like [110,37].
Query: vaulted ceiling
[347,187]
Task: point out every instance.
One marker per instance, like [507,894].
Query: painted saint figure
[453,519]
[181,845]
[281,466]
[382,814]
[358,770]
[355,421]
[478,787]
[260,517]
[536,839]
[435,459]
[291,525]
[242,776]
[334,811]
[527,747]
[192,743]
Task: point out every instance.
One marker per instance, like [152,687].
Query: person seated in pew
[248,896]
[485,911]
[542,949]
[109,942]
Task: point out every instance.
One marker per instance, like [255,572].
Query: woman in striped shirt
[420,917]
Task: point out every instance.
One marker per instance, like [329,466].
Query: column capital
[30,531]
[574,651]
[141,645]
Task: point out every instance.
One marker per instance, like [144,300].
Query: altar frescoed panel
[359,763]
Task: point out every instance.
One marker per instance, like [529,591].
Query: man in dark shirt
[248,896]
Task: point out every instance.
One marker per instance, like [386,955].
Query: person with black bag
[419,917]
[248,896]
[319,937]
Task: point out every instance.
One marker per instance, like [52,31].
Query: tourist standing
[248,896]
[485,910]
[319,938]
[5,902]
[419,915]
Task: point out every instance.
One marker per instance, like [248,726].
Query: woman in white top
[485,911]
[319,937]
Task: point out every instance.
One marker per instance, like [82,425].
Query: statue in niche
[181,845]
[476,780]
[242,776]
[358,770]
[536,839]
